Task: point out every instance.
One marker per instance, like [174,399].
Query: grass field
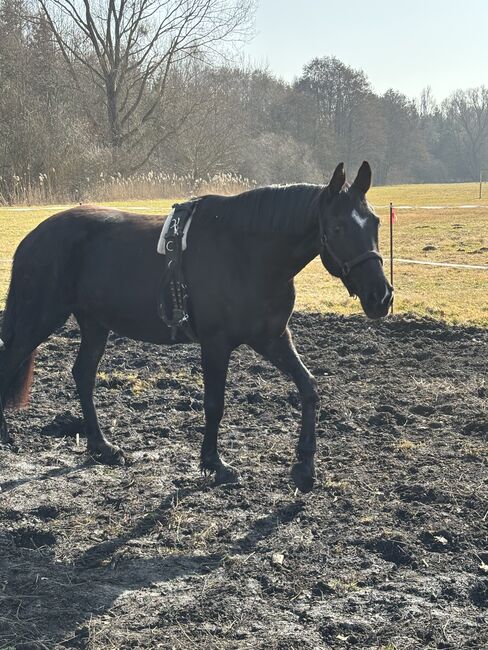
[452,233]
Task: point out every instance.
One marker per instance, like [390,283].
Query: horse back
[107,263]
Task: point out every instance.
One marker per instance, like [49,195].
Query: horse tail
[41,295]
[16,394]
[18,390]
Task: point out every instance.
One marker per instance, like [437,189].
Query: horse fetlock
[209,462]
[306,451]
[224,473]
[303,475]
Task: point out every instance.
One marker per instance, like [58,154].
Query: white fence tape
[449,265]
[435,207]
[400,260]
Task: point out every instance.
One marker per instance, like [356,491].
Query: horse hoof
[110,456]
[226,475]
[303,477]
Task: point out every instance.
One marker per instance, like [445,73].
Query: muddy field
[389,551]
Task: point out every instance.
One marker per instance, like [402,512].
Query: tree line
[97,89]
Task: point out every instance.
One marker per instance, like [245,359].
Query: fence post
[391,250]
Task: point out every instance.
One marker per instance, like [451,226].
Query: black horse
[101,265]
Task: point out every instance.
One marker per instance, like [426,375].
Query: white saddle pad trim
[162,244]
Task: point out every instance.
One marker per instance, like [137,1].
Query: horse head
[349,240]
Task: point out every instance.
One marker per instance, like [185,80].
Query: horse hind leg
[93,342]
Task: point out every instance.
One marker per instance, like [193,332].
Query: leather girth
[173,303]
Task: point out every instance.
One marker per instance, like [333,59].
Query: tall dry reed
[47,188]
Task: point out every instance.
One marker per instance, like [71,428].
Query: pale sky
[401,45]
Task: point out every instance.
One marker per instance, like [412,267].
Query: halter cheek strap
[346,267]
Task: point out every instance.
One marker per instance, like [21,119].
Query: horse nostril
[374,298]
[383,297]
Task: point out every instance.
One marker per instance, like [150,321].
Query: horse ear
[363,179]
[337,181]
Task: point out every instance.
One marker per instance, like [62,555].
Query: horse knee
[310,396]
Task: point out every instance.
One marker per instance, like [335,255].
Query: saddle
[173,297]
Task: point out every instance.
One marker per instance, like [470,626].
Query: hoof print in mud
[393,550]
[479,593]
[33,538]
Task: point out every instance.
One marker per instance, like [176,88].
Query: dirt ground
[389,551]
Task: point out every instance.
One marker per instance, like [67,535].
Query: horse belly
[121,291]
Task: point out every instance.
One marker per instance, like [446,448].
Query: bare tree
[467,112]
[427,105]
[124,50]
[338,90]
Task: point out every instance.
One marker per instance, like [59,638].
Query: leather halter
[346,267]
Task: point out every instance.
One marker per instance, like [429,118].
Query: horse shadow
[8,486]
[66,596]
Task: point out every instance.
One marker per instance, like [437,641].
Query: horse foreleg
[93,341]
[282,354]
[215,362]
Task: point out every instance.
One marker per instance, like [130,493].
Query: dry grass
[454,194]
[457,235]
[47,188]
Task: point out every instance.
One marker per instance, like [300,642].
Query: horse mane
[288,209]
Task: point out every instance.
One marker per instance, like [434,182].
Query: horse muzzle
[376,303]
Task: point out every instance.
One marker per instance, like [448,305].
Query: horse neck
[293,252]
